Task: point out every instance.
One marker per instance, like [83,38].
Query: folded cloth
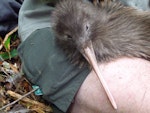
[46,65]
[9,10]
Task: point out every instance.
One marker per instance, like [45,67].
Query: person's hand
[128,81]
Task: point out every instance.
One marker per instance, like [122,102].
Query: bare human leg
[129,82]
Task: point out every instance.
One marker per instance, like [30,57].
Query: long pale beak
[90,56]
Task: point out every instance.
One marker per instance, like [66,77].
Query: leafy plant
[7,47]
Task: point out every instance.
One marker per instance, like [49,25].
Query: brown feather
[115,31]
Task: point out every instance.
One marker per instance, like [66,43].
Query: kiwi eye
[67,36]
[87,27]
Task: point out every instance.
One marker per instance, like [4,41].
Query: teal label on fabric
[38,91]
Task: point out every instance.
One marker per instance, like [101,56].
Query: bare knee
[128,81]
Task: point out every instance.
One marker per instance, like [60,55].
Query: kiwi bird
[89,34]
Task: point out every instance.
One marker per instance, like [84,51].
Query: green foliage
[9,51]
[9,55]
[7,44]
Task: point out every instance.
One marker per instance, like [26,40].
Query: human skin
[129,82]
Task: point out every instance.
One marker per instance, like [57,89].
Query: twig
[27,100]
[20,97]
[9,70]
[7,35]
[3,70]
[13,68]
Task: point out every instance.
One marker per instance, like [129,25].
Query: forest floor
[16,92]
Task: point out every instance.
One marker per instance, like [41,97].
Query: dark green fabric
[45,65]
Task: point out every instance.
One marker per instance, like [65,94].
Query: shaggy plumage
[115,30]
